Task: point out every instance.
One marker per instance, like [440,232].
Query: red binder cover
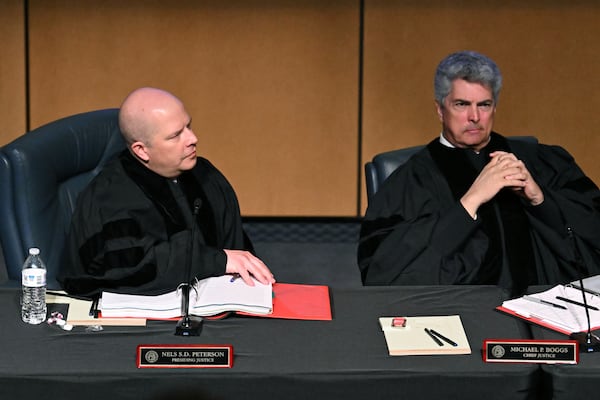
[295,301]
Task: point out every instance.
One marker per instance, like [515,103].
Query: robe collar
[156,188]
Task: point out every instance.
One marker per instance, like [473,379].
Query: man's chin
[476,139]
[188,163]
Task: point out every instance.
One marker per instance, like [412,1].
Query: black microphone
[588,343]
[187,325]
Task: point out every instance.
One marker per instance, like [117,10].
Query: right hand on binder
[245,264]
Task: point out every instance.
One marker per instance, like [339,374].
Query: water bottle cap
[34,251]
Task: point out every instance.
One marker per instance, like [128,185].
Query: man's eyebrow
[482,102]
[178,132]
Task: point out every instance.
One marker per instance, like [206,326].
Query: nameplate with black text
[184,356]
[531,351]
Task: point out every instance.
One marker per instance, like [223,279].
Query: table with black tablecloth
[287,359]
[565,381]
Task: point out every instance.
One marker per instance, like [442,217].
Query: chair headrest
[42,173]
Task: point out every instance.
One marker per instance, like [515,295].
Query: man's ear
[438,109]
[139,150]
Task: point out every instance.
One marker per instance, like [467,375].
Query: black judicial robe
[131,229]
[416,232]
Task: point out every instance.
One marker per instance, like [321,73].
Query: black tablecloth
[288,359]
[570,381]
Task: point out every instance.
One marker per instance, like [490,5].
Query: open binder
[559,308]
[218,295]
[208,297]
[590,284]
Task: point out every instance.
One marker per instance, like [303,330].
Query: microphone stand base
[587,343]
[188,326]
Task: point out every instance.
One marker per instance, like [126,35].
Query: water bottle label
[34,277]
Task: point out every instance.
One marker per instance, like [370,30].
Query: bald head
[141,111]
[158,132]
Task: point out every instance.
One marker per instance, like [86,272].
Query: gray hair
[470,66]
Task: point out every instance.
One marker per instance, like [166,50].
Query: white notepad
[412,339]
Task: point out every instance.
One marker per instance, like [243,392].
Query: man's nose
[473,113]
[191,137]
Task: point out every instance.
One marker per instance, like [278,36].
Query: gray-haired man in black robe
[475,208]
[132,227]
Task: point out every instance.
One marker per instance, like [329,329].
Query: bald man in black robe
[132,228]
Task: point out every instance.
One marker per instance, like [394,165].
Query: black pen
[69,296]
[53,293]
[542,301]
[576,303]
[431,335]
[444,338]
[94,308]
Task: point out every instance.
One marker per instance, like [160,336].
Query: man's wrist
[470,207]
[537,200]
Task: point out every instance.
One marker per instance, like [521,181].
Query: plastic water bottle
[33,302]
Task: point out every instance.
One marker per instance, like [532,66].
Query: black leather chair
[41,175]
[383,164]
